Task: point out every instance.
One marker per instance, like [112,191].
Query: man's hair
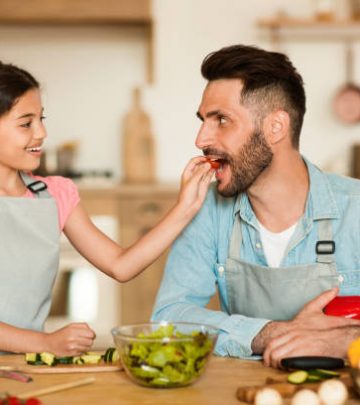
[270,81]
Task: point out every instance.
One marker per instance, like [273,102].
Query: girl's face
[22,133]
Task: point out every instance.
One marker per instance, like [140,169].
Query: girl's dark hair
[270,81]
[14,82]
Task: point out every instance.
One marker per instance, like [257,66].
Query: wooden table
[217,386]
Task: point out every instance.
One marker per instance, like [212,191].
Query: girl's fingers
[193,165]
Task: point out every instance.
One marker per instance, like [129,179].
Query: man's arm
[310,333]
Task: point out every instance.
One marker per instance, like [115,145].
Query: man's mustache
[219,154]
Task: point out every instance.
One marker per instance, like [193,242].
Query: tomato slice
[214,163]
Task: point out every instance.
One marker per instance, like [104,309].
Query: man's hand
[311,332]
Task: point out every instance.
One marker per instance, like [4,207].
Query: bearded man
[277,237]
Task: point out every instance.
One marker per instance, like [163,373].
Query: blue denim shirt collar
[320,203]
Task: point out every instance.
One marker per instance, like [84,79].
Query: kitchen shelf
[76,11]
[83,12]
[280,28]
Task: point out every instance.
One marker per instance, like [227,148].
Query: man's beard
[251,160]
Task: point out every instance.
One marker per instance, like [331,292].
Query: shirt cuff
[236,335]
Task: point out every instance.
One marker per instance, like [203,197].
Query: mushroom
[305,396]
[268,396]
[333,392]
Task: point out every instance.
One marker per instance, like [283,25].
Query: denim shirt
[195,266]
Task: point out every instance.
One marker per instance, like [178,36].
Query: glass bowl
[165,354]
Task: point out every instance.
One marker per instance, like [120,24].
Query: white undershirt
[275,243]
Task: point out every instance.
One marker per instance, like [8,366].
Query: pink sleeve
[65,193]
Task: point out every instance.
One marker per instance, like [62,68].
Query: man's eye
[42,118]
[222,120]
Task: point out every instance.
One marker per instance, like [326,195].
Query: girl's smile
[22,133]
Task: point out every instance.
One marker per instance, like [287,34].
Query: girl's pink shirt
[65,193]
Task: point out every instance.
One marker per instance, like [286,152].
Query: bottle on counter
[138,149]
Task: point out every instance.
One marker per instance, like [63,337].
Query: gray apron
[278,293]
[29,256]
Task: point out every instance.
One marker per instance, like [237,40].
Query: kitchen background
[88,73]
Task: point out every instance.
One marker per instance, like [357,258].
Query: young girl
[33,212]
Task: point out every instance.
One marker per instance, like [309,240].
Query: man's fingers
[318,303]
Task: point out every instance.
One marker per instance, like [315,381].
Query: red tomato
[214,163]
[33,401]
[13,401]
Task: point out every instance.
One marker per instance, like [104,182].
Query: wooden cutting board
[247,394]
[16,363]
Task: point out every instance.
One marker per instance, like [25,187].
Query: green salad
[171,362]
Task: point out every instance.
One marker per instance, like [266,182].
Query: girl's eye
[26,125]
[42,118]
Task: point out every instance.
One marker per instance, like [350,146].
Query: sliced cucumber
[91,358]
[48,358]
[313,378]
[64,360]
[77,360]
[325,374]
[31,357]
[298,377]
[108,354]
[115,356]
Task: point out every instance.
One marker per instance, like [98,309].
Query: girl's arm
[125,263]
[70,340]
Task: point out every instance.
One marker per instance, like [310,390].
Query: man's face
[228,134]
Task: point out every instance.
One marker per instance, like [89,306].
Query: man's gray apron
[278,293]
[29,256]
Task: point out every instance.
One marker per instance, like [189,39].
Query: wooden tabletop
[218,385]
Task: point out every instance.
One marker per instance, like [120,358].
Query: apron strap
[236,238]
[37,187]
[325,247]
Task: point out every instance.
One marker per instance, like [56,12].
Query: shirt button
[221,269]
[258,245]
[341,278]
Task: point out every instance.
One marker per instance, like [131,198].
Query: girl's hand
[71,340]
[195,182]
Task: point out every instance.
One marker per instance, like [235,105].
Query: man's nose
[204,137]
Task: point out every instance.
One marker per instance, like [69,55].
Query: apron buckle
[325,247]
[37,186]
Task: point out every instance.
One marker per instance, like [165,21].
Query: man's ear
[277,126]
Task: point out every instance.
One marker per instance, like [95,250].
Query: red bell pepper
[348,307]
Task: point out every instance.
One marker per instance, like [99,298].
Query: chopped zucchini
[298,377]
[325,374]
[108,354]
[31,357]
[77,360]
[64,360]
[115,356]
[91,358]
[48,358]
[313,378]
